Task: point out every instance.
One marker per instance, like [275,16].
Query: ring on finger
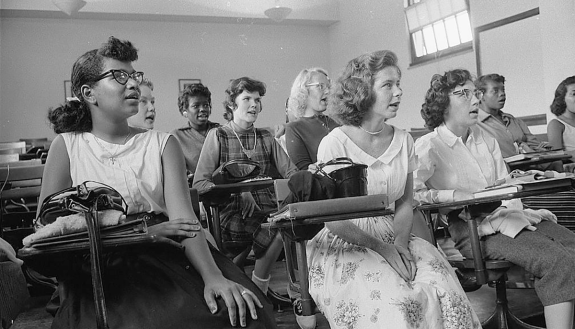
[244,292]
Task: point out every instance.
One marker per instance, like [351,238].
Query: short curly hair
[236,87]
[558,105]
[434,108]
[352,94]
[193,90]
[74,116]
[297,101]
[481,82]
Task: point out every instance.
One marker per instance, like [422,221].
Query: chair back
[19,191]
[20,147]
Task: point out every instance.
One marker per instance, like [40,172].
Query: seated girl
[308,102]
[371,272]
[457,159]
[239,139]
[561,129]
[163,288]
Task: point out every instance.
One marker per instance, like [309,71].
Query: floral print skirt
[355,287]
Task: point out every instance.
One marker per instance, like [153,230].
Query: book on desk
[533,155]
[526,184]
[309,209]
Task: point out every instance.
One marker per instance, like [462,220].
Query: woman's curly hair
[236,87]
[558,105]
[74,115]
[297,101]
[436,102]
[352,94]
[193,90]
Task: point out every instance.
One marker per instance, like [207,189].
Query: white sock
[263,284]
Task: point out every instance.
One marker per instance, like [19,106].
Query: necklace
[248,153]
[118,146]
[324,122]
[372,132]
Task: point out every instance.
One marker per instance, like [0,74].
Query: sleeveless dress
[568,135]
[151,288]
[355,287]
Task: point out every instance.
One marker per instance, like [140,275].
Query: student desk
[521,164]
[478,260]
[301,254]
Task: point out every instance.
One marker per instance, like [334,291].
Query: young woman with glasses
[308,102]
[456,159]
[159,288]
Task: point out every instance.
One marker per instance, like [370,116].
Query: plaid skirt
[236,228]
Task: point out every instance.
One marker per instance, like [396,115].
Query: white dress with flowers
[354,286]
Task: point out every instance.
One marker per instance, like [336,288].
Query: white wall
[37,56]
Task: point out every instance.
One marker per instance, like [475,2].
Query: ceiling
[304,12]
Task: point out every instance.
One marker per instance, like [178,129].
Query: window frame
[449,51]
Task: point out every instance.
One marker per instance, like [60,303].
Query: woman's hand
[248,204]
[407,259]
[181,227]
[392,255]
[235,296]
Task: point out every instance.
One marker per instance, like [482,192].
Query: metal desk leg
[478,262]
[306,301]
[215,227]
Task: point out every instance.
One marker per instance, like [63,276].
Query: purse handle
[336,161]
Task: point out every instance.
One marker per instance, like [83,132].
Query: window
[437,28]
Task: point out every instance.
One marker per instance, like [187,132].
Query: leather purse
[79,199]
[235,171]
[50,255]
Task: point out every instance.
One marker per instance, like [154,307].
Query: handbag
[79,199]
[46,255]
[350,180]
[235,171]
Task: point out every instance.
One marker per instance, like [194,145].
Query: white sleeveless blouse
[568,136]
[133,169]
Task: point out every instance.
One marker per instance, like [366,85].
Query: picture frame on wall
[68,90]
[183,83]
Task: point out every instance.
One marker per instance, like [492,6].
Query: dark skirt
[158,288]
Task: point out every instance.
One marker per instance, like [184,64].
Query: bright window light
[437,25]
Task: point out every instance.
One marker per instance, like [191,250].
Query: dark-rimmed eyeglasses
[320,85]
[468,93]
[122,76]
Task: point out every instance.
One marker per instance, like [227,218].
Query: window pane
[412,21]
[422,14]
[458,5]
[418,44]
[452,31]
[464,26]
[433,8]
[440,35]
[429,39]
[445,8]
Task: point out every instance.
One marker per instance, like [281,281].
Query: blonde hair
[297,102]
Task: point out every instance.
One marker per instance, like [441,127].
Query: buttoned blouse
[133,169]
[386,174]
[445,164]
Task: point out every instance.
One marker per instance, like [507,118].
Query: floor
[523,303]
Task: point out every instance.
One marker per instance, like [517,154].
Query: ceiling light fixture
[278,13]
[69,6]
